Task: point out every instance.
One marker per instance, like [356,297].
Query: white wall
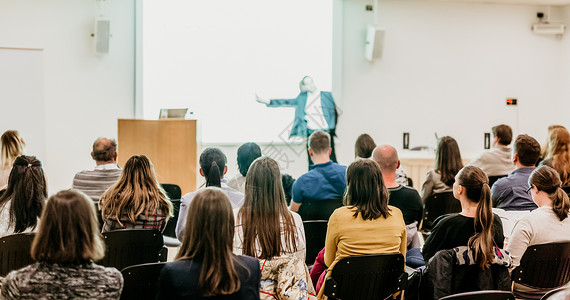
[448,68]
[84,93]
[566,64]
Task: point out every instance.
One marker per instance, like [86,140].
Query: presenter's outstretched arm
[261,100]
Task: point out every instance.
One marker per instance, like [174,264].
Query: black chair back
[493,179]
[132,247]
[319,209]
[170,228]
[437,205]
[141,281]
[15,252]
[315,234]
[364,277]
[545,266]
[487,295]
[173,190]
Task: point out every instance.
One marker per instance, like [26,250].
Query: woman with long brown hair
[267,230]
[447,163]
[22,202]
[136,201]
[366,224]
[558,153]
[64,248]
[475,226]
[205,265]
[12,146]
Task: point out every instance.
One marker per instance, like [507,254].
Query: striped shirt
[94,183]
[153,221]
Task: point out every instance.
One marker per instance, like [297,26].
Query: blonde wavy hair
[12,147]
[136,193]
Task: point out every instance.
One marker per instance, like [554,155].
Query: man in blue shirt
[325,179]
[510,193]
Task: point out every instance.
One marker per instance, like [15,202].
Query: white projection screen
[214,56]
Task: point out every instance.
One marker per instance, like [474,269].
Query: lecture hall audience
[106,173]
[205,266]
[367,224]
[212,168]
[447,163]
[497,161]
[136,201]
[22,202]
[267,230]
[363,148]
[64,248]
[12,147]
[246,154]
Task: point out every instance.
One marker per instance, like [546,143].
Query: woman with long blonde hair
[136,201]
[558,153]
[12,147]
[205,265]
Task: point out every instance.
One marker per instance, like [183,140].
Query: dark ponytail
[548,180]
[477,190]
[213,163]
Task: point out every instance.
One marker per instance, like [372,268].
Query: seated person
[447,163]
[558,154]
[497,161]
[549,223]
[136,201]
[64,248]
[267,230]
[325,180]
[367,225]
[406,199]
[509,193]
[246,154]
[363,149]
[287,181]
[212,168]
[475,226]
[205,266]
[22,202]
[95,182]
[12,146]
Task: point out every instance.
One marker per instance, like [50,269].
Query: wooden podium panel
[170,145]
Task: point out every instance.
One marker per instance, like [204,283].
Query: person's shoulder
[112,274]
[394,211]
[188,197]
[342,212]
[450,220]
[251,262]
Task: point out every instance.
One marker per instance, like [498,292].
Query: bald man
[95,182]
[406,199]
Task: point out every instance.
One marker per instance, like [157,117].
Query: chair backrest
[555,291]
[487,295]
[544,266]
[315,234]
[173,190]
[366,277]
[319,209]
[141,281]
[437,205]
[15,252]
[132,247]
[170,228]
[493,179]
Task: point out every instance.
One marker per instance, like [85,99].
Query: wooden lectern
[170,145]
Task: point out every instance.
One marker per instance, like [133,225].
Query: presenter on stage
[314,110]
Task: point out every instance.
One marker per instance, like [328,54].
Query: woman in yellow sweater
[367,224]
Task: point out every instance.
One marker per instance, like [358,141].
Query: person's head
[246,154]
[213,166]
[526,151]
[387,158]
[472,185]
[12,147]
[209,234]
[559,152]
[546,147]
[27,191]
[68,231]
[448,159]
[365,190]
[136,192]
[503,134]
[104,151]
[364,146]
[319,144]
[545,189]
[307,84]
[264,215]
[287,181]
